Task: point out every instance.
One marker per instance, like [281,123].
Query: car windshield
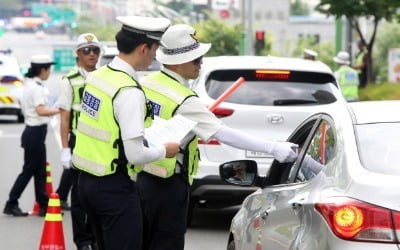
[269,87]
[379,146]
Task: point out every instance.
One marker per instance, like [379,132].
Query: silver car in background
[341,193]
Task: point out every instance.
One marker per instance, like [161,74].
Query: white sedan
[341,193]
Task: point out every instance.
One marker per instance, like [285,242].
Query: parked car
[11,86]
[341,192]
[278,93]
[110,51]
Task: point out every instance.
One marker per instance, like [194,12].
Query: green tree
[325,50]
[387,37]
[375,10]
[299,8]
[225,39]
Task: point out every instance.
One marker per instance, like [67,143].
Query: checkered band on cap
[181,50]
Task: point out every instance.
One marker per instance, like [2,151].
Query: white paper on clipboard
[172,130]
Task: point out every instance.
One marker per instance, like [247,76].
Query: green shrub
[384,91]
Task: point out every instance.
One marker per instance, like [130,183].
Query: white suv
[11,86]
[277,95]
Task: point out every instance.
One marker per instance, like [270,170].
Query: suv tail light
[355,220]
[223,112]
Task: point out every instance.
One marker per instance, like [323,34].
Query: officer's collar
[177,77]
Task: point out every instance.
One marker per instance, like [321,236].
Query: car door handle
[264,215]
[296,205]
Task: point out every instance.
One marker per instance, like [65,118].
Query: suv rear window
[273,87]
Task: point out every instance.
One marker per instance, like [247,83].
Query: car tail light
[223,112]
[396,221]
[272,74]
[11,80]
[210,142]
[351,219]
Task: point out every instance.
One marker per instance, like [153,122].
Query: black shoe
[14,210]
[86,247]
[65,206]
[42,212]
[95,246]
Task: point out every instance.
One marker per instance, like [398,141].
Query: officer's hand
[66,158]
[172,148]
[284,151]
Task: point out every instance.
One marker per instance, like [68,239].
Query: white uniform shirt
[192,108]
[66,91]
[129,109]
[35,94]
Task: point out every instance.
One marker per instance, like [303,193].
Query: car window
[318,153]
[379,146]
[277,88]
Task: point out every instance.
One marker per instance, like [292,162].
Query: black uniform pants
[113,209]
[65,184]
[164,205]
[33,141]
[81,228]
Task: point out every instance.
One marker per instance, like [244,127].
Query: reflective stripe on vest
[77,82]
[166,95]
[99,149]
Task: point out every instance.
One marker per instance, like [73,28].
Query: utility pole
[243,44]
[250,35]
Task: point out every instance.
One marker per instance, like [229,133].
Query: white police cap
[87,39]
[42,59]
[310,52]
[152,27]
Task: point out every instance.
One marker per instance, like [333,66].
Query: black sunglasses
[197,61]
[86,51]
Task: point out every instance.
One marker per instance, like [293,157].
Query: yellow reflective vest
[99,149]
[166,95]
[77,83]
[359,60]
[348,80]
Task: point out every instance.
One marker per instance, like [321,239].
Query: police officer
[110,136]
[361,63]
[87,52]
[346,76]
[37,112]
[309,54]
[164,194]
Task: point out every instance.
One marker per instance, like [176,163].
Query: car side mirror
[241,172]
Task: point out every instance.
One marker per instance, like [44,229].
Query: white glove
[66,158]
[283,151]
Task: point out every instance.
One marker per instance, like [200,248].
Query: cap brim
[184,57]
[87,45]
[338,60]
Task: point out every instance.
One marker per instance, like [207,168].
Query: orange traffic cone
[49,189]
[49,180]
[53,234]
